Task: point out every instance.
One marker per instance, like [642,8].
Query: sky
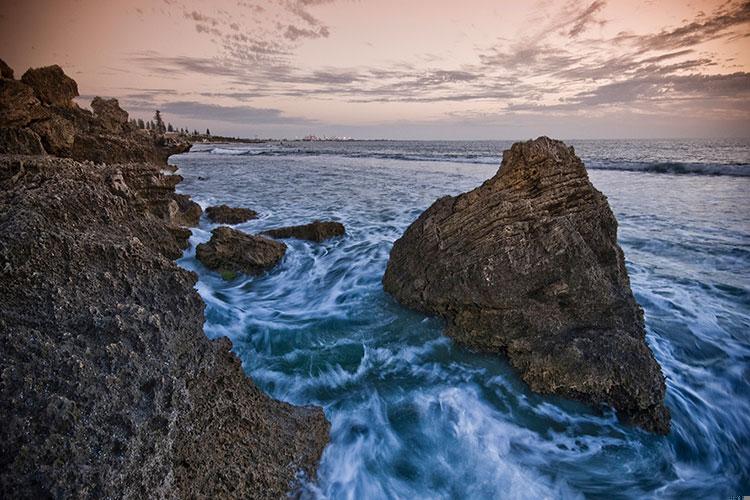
[402,69]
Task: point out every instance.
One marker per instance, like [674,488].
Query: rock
[109,388]
[187,213]
[19,105]
[21,141]
[112,116]
[315,231]
[51,85]
[57,134]
[5,70]
[528,265]
[224,214]
[43,102]
[230,251]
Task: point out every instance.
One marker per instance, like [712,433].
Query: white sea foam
[415,416]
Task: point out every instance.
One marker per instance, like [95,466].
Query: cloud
[293,33]
[585,18]
[728,16]
[666,88]
[201,18]
[233,114]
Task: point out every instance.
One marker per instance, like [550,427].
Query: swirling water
[414,415]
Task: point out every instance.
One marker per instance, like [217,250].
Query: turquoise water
[415,416]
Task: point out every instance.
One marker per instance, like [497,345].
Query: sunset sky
[477,69]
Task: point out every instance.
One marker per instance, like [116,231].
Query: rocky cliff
[39,116]
[528,265]
[109,388]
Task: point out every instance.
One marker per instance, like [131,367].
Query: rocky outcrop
[22,141]
[51,85]
[230,251]
[19,105]
[5,70]
[528,265]
[109,388]
[224,214]
[184,211]
[58,135]
[315,231]
[42,103]
[109,112]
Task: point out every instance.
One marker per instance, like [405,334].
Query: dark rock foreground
[528,265]
[109,387]
[224,214]
[230,251]
[315,231]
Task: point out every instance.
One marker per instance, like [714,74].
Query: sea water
[416,416]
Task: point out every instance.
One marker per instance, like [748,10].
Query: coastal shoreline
[110,386]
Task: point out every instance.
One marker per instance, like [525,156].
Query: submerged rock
[51,85]
[230,251]
[224,214]
[315,231]
[109,387]
[528,265]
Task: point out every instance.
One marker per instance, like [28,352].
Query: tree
[141,125]
[208,132]
[170,128]
[159,122]
[195,131]
[148,125]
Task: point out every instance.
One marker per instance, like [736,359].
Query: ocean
[416,416]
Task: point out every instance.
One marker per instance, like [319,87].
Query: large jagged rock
[5,70]
[51,85]
[230,251]
[224,214]
[18,104]
[315,231]
[109,387]
[528,265]
[112,116]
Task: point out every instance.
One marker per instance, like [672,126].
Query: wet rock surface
[528,265]
[109,387]
[230,251]
[224,214]
[315,231]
